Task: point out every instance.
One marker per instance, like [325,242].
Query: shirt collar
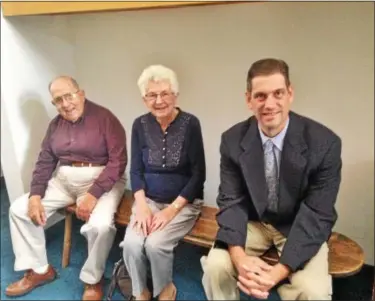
[86,110]
[278,140]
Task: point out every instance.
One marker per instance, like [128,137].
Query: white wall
[33,50]
[329,47]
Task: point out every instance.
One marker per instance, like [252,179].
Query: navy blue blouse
[171,163]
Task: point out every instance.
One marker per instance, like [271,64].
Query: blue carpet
[187,269]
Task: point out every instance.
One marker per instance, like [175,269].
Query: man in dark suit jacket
[279,178]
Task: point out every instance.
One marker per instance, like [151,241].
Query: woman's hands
[162,218]
[143,218]
[147,222]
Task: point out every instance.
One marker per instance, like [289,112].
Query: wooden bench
[346,257]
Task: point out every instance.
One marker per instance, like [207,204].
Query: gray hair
[157,73]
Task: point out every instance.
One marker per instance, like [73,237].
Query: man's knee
[313,293]
[102,220]
[218,265]
[311,287]
[103,226]
[19,207]
[310,290]
[314,281]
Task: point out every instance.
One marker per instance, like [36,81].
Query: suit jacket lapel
[292,167]
[252,165]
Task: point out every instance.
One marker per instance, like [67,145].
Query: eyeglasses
[154,96]
[69,97]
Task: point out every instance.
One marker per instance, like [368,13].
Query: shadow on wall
[36,119]
[355,204]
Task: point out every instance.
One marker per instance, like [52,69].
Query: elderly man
[89,143]
[280,175]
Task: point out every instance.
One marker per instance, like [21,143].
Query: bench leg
[67,239]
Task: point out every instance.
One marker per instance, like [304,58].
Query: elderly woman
[167,176]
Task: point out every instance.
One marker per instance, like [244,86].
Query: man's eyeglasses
[69,97]
[154,96]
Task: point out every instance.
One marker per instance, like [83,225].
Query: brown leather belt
[85,164]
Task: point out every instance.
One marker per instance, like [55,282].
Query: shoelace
[29,274]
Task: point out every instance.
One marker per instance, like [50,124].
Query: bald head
[67,97]
[64,78]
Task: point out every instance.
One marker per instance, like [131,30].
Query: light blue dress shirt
[278,141]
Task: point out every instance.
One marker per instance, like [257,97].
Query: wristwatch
[176,206]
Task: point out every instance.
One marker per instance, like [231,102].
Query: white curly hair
[157,73]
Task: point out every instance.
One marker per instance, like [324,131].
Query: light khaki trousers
[313,282]
[65,188]
[156,250]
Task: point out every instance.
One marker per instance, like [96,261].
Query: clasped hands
[146,222]
[256,277]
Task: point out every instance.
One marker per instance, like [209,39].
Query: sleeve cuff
[96,191]
[37,190]
[230,237]
[188,197]
[290,260]
[136,184]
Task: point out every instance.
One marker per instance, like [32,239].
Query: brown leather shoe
[93,291]
[30,281]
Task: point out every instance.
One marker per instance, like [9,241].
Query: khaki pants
[313,282]
[65,188]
